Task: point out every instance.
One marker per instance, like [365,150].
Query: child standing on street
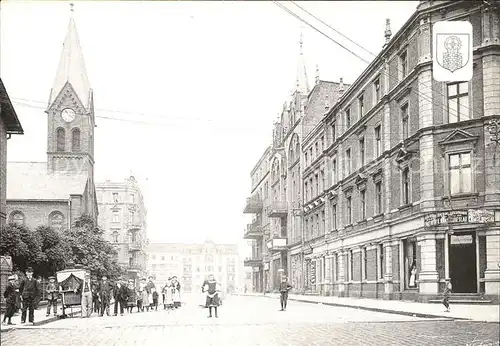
[52,295]
[446,295]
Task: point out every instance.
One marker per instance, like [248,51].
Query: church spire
[71,67]
[302,84]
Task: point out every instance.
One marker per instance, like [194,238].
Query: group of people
[25,294]
[126,295]
[96,297]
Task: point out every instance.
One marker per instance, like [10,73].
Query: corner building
[123,216]
[411,191]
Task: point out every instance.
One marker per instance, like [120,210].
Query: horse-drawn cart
[70,286]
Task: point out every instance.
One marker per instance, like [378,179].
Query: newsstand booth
[70,286]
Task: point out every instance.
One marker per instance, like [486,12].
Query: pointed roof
[71,68]
[302,82]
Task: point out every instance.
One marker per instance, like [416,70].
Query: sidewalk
[40,317]
[482,313]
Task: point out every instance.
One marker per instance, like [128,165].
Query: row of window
[55,219]
[332,265]
[61,139]
[458,110]
[460,181]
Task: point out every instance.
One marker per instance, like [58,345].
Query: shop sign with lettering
[461,239]
[446,217]
[481,216]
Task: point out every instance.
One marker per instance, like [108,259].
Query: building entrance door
[462,261]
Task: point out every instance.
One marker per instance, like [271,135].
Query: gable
[457,137]
[67,97]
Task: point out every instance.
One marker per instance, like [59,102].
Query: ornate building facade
[192,263]
[400,178]
[60,190]
[123,216]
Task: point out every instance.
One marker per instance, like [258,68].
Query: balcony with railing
[134,246]
[254,230]
[277,244]
[254,261]
[134,267]
[253,205]
[278,209]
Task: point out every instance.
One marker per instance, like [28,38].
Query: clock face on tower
[68,114]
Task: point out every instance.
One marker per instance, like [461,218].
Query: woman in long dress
[144,295]
[169,295]
[177,292]
[212,288]
[413,274]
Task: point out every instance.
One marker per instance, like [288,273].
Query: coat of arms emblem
[452,56]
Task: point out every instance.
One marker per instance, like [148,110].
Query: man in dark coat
[284,288]
[30,290]
[120,293]
[105,292]
[95,296]
[10,299]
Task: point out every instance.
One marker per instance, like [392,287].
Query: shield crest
[452,50]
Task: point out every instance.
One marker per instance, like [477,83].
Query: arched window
[56,220]
[114,236]
[75,140]
[17,218]
[61,139]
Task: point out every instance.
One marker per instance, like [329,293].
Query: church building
[62,189]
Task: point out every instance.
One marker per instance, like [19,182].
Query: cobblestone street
[255,321]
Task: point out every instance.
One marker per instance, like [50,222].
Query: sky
[192,90]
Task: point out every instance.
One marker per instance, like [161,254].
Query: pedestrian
[144,296]
[177,292]
[151,289]
[87,296]
[212,288]
[168,290]
[52,296]
[105,293]
[120,293]
[284,288]
[39,297]
[446,294]
[10,296]
[131,295]
[29,290]
[94,286]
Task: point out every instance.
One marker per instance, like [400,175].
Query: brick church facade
[60,190]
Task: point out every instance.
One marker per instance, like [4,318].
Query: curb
[395,312]
[40,323]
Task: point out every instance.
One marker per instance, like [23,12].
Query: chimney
[387,33]
[341,86]
[317,74]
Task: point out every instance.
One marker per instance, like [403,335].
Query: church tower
[71,122]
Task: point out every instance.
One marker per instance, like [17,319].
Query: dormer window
[376,90]
[403,64]
[347,118]
[361,106]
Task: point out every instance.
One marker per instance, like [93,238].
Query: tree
[23,245]
[56,249]
[89,248]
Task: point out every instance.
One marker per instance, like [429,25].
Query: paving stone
[256,321]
